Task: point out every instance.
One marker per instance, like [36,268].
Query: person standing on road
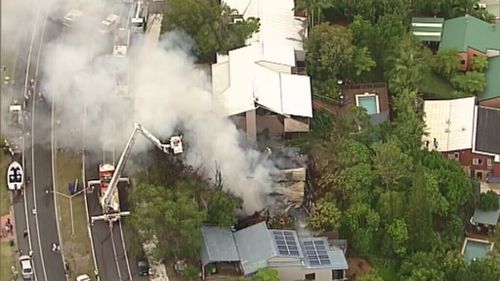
[25,234]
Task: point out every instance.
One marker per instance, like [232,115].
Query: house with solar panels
[244,252]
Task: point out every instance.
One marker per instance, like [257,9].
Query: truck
[139,19]
[109,175]
[16,115]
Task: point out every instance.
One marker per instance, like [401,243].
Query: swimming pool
[369,103]
[475,249]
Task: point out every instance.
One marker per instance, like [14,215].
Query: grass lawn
[4,194]
[77,248]
[436,87]
[6,261]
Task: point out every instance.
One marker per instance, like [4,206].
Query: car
[83,277]
[71,17]
[109,23]
[143,266]
[26,267]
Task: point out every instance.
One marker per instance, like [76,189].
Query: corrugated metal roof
[255,247]
[492,89]
[486,217]
[469,32]
[487,130]
[218,245]
[252,81]
[427,29]
[278,25]
[450,122]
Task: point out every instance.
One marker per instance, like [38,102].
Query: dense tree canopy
[210,24]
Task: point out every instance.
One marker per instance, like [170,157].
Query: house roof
[218,245]
[487,130]
[469,32]
[486,217]
[279,27]
[256,246]
[492,89]
[427,29]
[253,81]
[450,122]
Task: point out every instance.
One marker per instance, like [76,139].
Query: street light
[70,197]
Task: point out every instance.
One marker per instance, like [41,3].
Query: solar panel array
[286,243]
[316,252]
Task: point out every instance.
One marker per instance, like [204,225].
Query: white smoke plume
[168,92]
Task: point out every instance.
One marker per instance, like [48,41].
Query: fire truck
[109,175]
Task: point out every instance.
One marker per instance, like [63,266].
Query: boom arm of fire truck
[174,146]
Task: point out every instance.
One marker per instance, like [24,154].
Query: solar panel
[286,243]
[316,252]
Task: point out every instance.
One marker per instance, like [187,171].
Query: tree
[325,216]
[408,126]
[362,222]
[313,9]
[479,64]
[488,201]
[391,206]
[484,270]
[390,163]
[419,220]
[422,266]
[221,208]
[446,63]
[397,235]
[210,24]
[471,82]
[266,274]
[372,276]
[169,219]
[331,56]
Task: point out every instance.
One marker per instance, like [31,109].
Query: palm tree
[313,9]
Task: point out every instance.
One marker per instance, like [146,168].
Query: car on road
[26,267]
[83,277]
[71,17]
[109,23]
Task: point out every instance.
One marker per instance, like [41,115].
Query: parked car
[143,266]
[26,267]
[83,277]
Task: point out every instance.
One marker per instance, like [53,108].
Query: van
[109,23]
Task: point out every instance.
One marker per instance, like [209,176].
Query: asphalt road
[34,210]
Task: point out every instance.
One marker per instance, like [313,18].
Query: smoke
[167,93]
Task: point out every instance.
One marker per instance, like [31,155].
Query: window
[310,276]
[489,162]
[475,161]
[337,275]
[457,156]
[462,62]
[451,156]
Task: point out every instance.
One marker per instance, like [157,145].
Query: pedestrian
[25,234]
[11,229]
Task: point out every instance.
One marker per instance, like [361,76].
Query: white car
[71,17]
[26,268]
[83,277]
[109,23]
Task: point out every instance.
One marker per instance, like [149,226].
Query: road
[34,211]
[109,241]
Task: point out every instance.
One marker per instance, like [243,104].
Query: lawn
[4,194]
[6,261]
[77,248]
[436,87]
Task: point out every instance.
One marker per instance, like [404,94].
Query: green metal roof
[427,29]
[492,89]
[469,32]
